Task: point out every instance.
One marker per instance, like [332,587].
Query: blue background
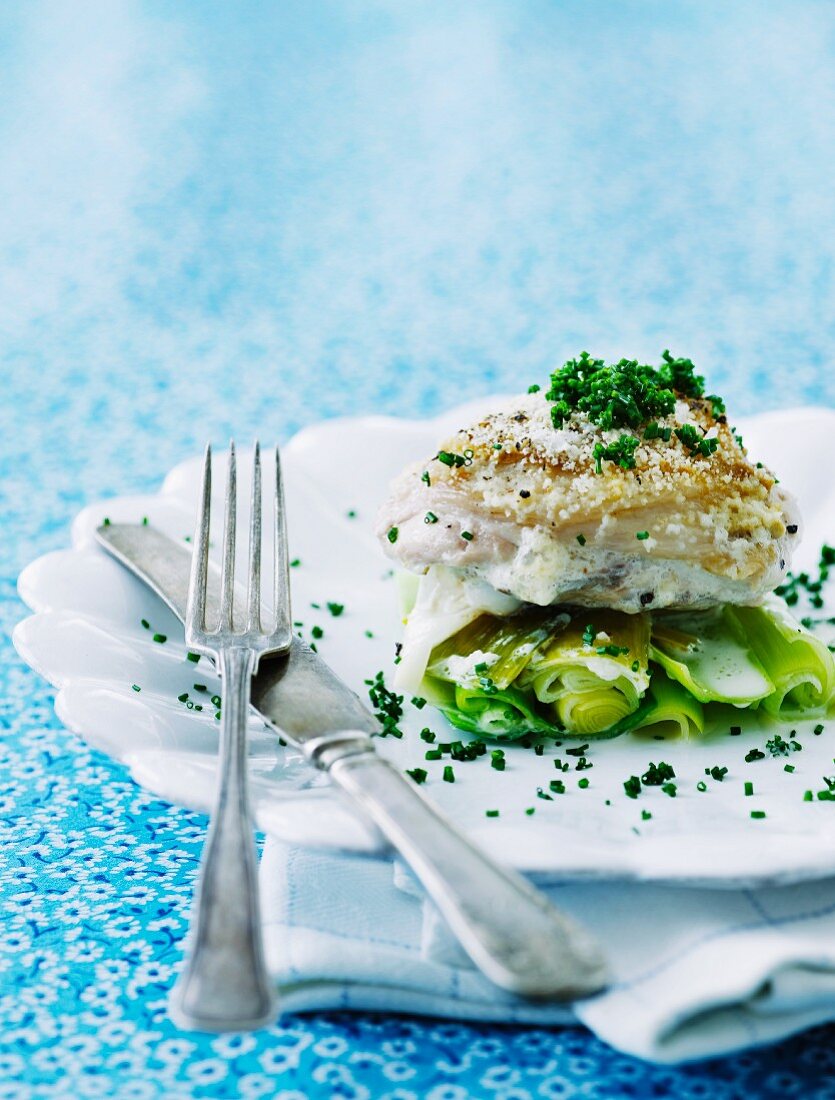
[239,218]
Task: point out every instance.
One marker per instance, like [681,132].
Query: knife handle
[509,929]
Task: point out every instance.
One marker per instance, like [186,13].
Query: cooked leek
[799,664]
[667,703]
[593,674]
[507,713]
[707,653]
[443,604]
[498,649]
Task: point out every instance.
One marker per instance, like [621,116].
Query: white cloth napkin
[697,973]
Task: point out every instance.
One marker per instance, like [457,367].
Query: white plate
[86,638]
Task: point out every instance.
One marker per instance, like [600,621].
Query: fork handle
[225,985]
[508,928]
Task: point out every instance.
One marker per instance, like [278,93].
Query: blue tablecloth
[239,218]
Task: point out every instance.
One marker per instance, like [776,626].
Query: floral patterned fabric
[220,219]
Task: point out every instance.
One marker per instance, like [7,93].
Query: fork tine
[227,576]
[281,590]
[254,589]
[196,606]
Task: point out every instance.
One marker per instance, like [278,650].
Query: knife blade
[296,691]
[510,930]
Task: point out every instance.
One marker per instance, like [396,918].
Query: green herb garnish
[621,452]
[632,786]
[656,774]
[388,705]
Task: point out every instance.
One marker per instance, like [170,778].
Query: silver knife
[509,929]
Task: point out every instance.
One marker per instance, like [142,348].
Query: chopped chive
[449,774]
[808,796]
[543,794]
[467,536]
[430,517]
[161,638]
[754,754]
[758,815]
[557,786]
[448,458]
[351,513]
[645,815]
[736,731]
[369,633]
[581,539]
[749,788]
[335,609]
[433,754]
[136,687]
[426,734]
[642,535]
[216,701]
[418,702]
[145,623]
[788,767]
[583,783]
[818,730]
[105,522]
[317,632]
[670,789]
[199,687]
[182,698]
[424,477]
[193,657]
[491,813]
[392,534]
[632,786]
[531,810]
[701,786]
[417,774]
[295,563]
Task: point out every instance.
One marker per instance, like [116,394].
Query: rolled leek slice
[592,675]
[495,650]
[800,666]
[503,714]
[667,707]
[442,605]
[707,652]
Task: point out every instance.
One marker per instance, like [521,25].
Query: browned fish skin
[717,526]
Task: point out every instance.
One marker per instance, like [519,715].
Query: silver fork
[224,985]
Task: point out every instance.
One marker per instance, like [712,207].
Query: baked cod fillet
[551,523]
[599,557]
